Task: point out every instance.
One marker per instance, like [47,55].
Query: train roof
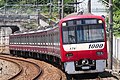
[34,31]
[77,16]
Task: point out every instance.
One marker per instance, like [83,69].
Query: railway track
[100,76]
[28,70]
[107,76]
[49,72]
[11,63]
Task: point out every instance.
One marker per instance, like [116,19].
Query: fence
[116,48]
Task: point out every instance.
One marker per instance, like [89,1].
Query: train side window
[33,39]
[26,39]
[29,39]
[46,39]
[15,40]
[41,39]
[18,40]
[58,38]
[21,39]
[12,40]
[50,39]
[54,36]
[37,39]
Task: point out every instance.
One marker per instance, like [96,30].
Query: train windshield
[83,33]
[90,33]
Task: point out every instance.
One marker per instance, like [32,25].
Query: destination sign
[91,21]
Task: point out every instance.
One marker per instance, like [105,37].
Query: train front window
[90,33]
[79,32]
[69,35]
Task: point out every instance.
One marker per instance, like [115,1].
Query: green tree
[116,17]
[2,3]
[68,9]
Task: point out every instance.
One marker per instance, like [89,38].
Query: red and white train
[77,43]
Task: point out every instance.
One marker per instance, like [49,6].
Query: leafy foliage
[116,17]
[2,3]
[52,14]
[68,9]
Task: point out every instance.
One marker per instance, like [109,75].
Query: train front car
[83,44]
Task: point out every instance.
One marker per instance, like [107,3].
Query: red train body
[78,42]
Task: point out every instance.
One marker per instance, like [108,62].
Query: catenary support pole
[110,63]
[89,6]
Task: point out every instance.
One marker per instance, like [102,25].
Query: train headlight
[69,54]
[64,24]
[99,53]
[100,21]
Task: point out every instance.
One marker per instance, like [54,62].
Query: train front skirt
[70,67]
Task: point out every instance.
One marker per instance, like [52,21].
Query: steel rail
[20,67]
[38,67]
